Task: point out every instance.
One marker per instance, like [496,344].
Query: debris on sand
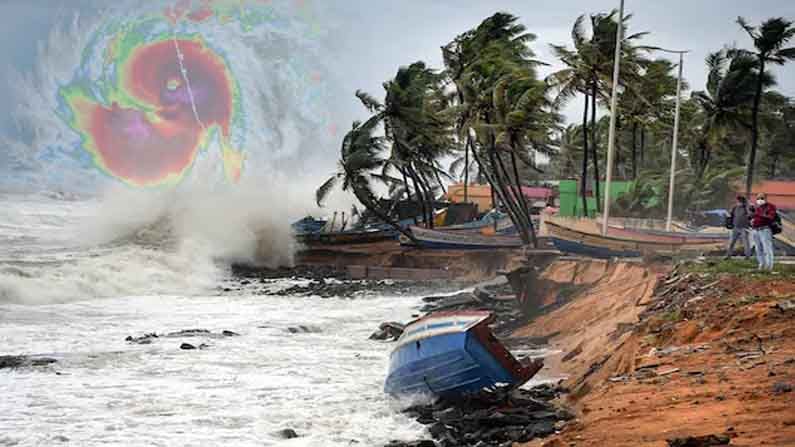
[700,441]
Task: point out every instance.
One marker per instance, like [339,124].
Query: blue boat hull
[592,251]
[448,364]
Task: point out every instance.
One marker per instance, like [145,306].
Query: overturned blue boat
[452,354]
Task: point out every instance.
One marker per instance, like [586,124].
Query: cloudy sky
[380,35]
[374,37]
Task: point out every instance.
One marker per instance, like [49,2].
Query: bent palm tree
[769,40]
[726,102]
[359,160]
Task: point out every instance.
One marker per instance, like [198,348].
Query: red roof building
[779,192]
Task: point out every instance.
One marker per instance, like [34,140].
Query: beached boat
[458,240]
[345,237]
[453,354]
[585,239]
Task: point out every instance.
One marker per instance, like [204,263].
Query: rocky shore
[327,282]
[491,418]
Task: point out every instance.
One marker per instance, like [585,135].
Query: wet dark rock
[492,418]
[187,346]
[60,438]
[24,361]
[300,271]
[389,330]
[699,441]
[423,443]
[301,329]
[142,340]
[782,388]
[152,337]
[287,433]
[499,299]
[188,333]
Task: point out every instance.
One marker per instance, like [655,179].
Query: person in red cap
[763,217]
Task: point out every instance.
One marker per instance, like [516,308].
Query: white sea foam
[142,243]
[326,385]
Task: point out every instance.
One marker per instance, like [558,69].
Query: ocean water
[73,289]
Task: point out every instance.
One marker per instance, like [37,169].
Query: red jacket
[763,215]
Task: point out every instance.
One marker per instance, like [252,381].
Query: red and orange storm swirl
[160,114]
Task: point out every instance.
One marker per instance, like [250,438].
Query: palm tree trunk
[524,201]
[466,168]
[702,159]
[594,92]
[509,197]
[429,198]
[373,208]
[514,192]
[634,151]
[749,170]
[773,162]
[498,188]
[584,176]
[408,191]
[642,146]
[418,193]
[439,181]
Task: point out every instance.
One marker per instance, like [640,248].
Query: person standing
[739,221]
[764,216]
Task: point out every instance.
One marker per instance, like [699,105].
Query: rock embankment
[491,418]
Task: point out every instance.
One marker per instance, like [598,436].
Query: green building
[571,202]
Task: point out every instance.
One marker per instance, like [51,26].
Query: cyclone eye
[173,84]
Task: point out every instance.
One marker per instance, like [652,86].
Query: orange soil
[708,368]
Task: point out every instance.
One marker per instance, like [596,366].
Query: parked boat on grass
[584,238]
[453,354]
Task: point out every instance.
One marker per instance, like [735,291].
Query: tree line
[490,112]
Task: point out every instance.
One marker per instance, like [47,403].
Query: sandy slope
[712,354]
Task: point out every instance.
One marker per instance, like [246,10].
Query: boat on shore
[345,237]
[584,238]
[458,240]
[453,354]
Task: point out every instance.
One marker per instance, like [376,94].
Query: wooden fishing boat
[625,243]
[345,237]
[453,354]
[458,240]
[503,226]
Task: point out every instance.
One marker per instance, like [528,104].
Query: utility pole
[675,140]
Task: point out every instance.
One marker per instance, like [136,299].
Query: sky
[372,38]
[382,35]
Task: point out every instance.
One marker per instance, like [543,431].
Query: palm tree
[493,70]
[770,40]
[416,128]
[359,162]
[649,99]
[568,152]
[726,103]
[589,71]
